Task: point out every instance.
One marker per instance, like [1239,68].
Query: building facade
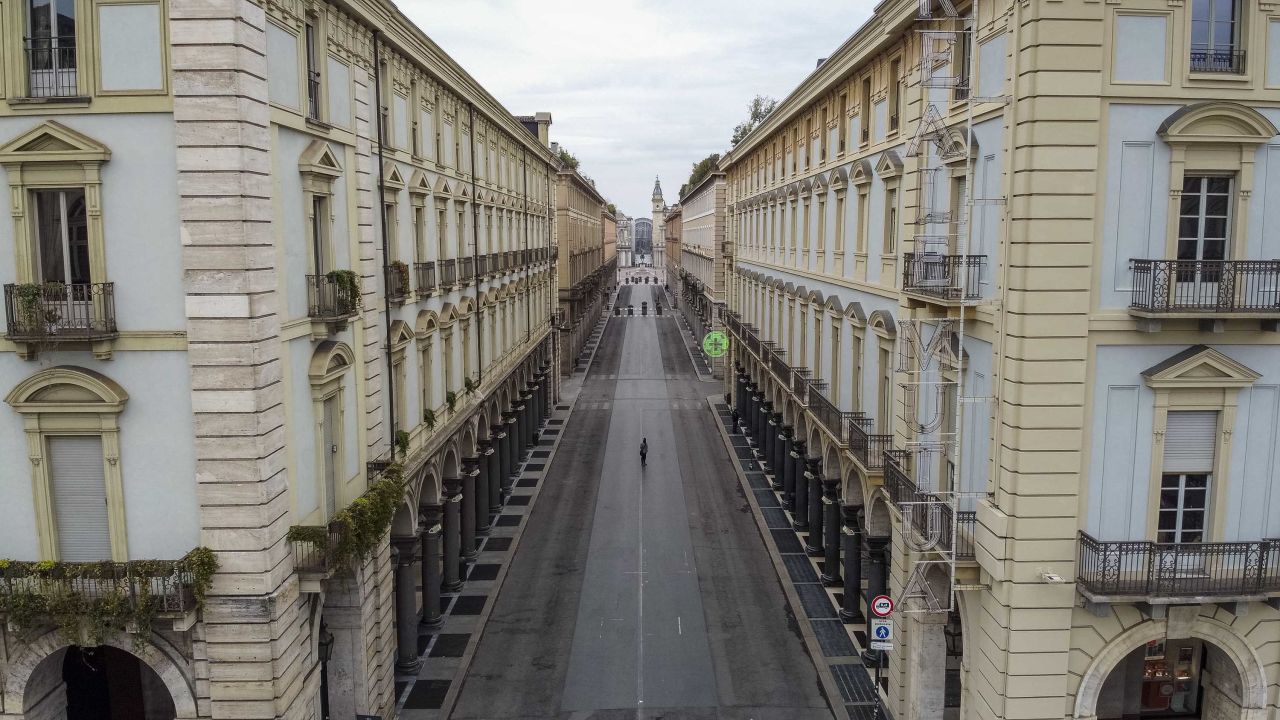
[703,259]
[625,240]
[672,227]
[658,257]
[278,308]
[642,234]
[1003,283]
[584,275]
[610,250]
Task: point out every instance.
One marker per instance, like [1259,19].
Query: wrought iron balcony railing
[51,66]
[312,558]
[1141,569]
[865,445]
[1206,286]
[448,273]
[897,476]
[966,529]
[1229,60]
[829,416]
[778,364]
[329,297]
[426,272]
[466,270]
[53,311]
[168,586]
[946,277]
[800,384]
[397,280]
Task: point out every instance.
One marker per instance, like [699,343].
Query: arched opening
[96,683]
[1166,678]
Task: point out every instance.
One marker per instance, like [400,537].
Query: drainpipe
[475,246]
[382,220]
[528,306]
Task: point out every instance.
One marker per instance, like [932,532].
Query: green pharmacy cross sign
[715,344]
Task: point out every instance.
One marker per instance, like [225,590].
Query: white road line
[640,602]
[679,626]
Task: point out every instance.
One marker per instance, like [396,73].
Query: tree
[567,159]
[701,170]
[613,209]
[758,110]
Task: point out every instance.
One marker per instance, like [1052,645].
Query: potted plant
[402,441]
[469,386]
[347,286]
[35,313]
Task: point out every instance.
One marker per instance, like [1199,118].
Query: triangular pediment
[418,183]
[889,164]
[53,142]
[320,159]
[442,187]
[391,176]
[1200,366]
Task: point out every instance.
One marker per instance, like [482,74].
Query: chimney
[543,119]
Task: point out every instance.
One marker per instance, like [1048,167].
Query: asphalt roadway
[641,592]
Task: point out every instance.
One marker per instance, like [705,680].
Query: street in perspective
[500,360]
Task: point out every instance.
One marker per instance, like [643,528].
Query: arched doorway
[96,683]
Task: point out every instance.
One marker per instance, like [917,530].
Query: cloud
[638,87]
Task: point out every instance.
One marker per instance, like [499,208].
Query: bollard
[644,308]
[631,309]
[617,311]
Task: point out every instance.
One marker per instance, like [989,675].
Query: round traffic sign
[715,344]
[882,606]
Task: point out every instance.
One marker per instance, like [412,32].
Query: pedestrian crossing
[671,404]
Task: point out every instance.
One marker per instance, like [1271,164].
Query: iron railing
[752,339]
[800,384]
[1228,60]
[53,311]
[510,258]
[397,280]
[1188,570]
[311,558]
[51,66]
[485,266]
[966,529]
[330,299]
[426,272]
[167,586]
[778,364]
[865,445]
[946,277]
[829,416]
[897,476]
[927,513]
[466,270]
[1208,286]
[448,273]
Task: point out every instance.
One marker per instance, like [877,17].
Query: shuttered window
[1189,441]
[79,492]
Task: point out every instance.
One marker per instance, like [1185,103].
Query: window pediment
[889,165]
[68,389]
[53,142]
[391,176]
[329,361]
[862,173]
[1217,122]
[319,159]
[1200,366]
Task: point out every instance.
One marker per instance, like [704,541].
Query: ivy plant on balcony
[34,314]
[429,418]
[347,283]
[451,399]
[357,530]
[402,441]
[469,386]
[90,601]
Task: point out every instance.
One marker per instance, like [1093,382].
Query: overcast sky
[638,87]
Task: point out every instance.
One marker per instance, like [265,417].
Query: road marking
[679,626]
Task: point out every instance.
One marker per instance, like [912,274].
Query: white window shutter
[79,490]
[1190,441]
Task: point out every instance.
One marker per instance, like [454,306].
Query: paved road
[641,593]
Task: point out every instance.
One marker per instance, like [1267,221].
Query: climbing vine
[429,418]
[88,602]
[34,313]
[348,286]
[358,529]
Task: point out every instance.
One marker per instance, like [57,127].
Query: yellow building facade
[1004,272]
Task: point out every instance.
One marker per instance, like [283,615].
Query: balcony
[165,588]
[866,446]
[829,416]
[1225,60]
[426,277]
[1130,571]
[313,558]
[448,273]
[466,270]
[966,530]
[928,514]
[778,364]
[800,385]
[334,296]
[1205,289]
[397,281]
[51,67]
[53,312]
[945,278]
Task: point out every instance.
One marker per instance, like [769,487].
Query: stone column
[813,482]
[783,450]
[403,553]
[470,476]
[429,538]
[799,486]
[485,450]
[926,656]
[769,437]
[831,532]
[851,610]
[753,410]
[504,456]
[452,535]
[877,549]
[495,468]
[817,538]
[511,457]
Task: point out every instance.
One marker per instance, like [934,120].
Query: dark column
[851,611]
[768,436]
[526,418]
[775,449]
[753,411]
[482,485]
[813,483]
[518,432]
[403,552]
[511,440]
[495,468]
[429,538]
[786,468]
[470,478]
[831,532]
[877,582]
[452,535]
[799,486]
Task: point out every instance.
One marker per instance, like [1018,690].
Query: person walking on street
[644,450]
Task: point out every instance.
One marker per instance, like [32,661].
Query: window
[51,48]
[420,232]
[808,142]
[321,251]
[884,407]
[822,136]
[866,110]
[1215,36]
[961,57]
[328,371]
[313,73]
[839,224]
[79,495]
[890,221]
[959,199]
[61,233]
[895,94]
[795,150]
[1204,218]
[1189,452]
[843,122]
[389,220]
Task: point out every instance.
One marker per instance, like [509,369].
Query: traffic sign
[882,606]
[715,344]
[881,634]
